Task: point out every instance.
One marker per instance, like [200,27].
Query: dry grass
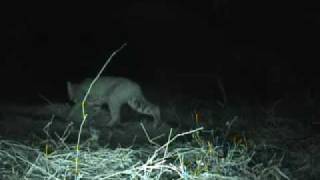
[197,159]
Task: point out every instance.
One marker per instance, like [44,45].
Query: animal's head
[75,92]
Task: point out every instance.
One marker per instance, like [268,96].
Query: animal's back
[103,89]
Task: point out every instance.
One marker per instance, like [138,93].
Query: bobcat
[115,92]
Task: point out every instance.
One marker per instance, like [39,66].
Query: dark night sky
[43,46]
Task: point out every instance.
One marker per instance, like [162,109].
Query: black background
[44,45]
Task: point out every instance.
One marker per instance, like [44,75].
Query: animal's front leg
[115,114]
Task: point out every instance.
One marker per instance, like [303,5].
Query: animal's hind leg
[115,114]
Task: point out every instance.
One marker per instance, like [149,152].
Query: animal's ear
[70,90]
